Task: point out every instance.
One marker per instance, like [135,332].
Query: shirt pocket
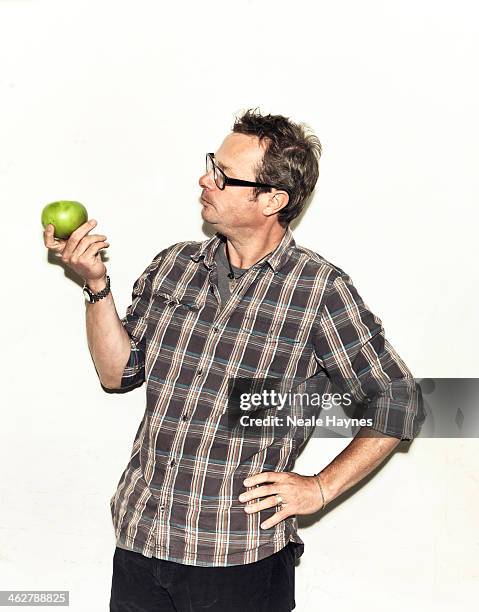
[168,318]
[171,309]
[285,333]
[277,347]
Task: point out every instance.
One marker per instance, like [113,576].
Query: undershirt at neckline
[224,260]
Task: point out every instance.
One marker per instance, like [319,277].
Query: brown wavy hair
[290,160]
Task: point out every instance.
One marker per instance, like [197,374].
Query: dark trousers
[143,584]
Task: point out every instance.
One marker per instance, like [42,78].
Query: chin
[207,217]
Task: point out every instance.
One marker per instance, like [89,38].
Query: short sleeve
[135,323]
[351,346]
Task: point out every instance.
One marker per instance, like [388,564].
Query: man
[205,519]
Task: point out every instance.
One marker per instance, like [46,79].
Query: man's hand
[299,495]
[302,495]
[81,252]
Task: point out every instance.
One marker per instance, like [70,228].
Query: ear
[275,202]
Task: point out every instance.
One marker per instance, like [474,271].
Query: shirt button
[185,417]
[199,372]
[162,508]
[215,329]
[172,463]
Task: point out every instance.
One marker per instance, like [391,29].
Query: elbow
[121,385]
[110,384]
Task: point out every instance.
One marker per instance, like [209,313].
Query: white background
[114,104]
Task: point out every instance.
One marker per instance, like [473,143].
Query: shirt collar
[276,259]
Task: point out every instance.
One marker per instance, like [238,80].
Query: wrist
[97,284]
[92,295]
[323,492]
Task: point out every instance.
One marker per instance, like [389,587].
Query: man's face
[234,207]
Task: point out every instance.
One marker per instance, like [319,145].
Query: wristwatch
[95,297]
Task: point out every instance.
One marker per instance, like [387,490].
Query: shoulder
[340,293]
[316,264]
[184,248]
[172,254]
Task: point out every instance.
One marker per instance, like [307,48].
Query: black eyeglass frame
[236,182]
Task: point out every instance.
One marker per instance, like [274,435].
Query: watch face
[87,295]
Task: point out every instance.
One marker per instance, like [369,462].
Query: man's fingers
[94,248]
[251,481]
[257,493]
[83,247]
[50,241]
[275,519]
[83,229]
[76,236]
[269,502]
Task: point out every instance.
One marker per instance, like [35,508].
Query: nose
[207,181]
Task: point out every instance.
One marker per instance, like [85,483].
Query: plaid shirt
[292,315]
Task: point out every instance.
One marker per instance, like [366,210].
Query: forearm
[362,455]
[108,340]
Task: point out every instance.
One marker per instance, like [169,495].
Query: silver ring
[279,499]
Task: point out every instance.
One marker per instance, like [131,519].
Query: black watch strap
[95,297]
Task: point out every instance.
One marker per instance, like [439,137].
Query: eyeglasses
[222,180]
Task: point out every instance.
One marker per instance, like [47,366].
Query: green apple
[65,215]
